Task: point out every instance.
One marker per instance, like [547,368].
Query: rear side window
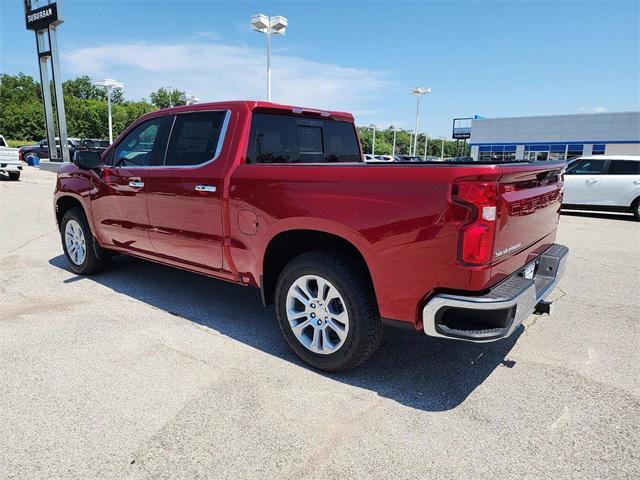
[624,167]
[194,138]
[586,167]
[291,139]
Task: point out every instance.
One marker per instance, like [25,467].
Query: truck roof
[251,105]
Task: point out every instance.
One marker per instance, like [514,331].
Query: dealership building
[553,137]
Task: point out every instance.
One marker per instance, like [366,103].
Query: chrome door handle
[135,184]
[636,182]
[591,180]
[205,188]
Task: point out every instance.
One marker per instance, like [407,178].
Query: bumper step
[498,313]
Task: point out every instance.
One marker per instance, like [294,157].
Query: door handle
[135,184]
[636,182]
[205,188]
[591,180]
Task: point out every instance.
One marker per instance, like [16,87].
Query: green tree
[83,88]
[164,98]
[21,115]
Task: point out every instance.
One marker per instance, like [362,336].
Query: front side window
[290,139]
[624,167]
[586,167]
[143,146]
[194,138]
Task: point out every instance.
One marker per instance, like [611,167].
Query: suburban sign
[43,17]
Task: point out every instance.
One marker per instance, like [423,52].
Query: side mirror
[87,160]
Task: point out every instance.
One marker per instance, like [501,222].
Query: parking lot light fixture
[189,99]
[418,92]
[109,85]
[276,25]
[170,92]
[374,127]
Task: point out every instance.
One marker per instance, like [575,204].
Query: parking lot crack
[25,244]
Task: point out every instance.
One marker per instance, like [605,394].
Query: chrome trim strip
[223,134]
[221,139]
[525,304]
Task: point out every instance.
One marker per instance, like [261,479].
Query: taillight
[20,155]
[477,237]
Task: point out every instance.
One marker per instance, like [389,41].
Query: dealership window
[484,153]
[291,139]
[536,153]
[624,167]
[557,151]
[497,153]
[194,138]
[509,154]
[598,149]
[574,150]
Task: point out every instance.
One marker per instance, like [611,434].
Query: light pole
[189,99]
[442,150]
[373,140]
[393,150]
[110,84]
[269,26]
[426,141]
[418,92]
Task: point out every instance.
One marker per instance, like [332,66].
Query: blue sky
[489,58]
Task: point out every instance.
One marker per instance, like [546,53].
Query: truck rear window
[277,138]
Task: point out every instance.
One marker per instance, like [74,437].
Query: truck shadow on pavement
[415,370]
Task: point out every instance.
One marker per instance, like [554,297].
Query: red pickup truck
[278,197]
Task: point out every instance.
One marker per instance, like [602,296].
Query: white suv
[604,182]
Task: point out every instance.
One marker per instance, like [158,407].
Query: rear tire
[635,208]
[14,176]
[83,253]
[348,322]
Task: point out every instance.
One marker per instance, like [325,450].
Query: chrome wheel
[317,314]
[75,242]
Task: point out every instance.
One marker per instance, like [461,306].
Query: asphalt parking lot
[150,372]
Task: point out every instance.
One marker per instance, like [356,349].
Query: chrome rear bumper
[497,314]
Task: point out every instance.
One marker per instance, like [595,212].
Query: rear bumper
[498,313]
[10,167]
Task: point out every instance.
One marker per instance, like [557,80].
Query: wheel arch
[288,244]
[66,202]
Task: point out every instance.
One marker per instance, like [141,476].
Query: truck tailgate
[528,206]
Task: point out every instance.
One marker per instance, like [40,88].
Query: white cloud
[218,71]
[599,109]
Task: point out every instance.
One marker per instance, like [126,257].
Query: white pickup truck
[9,160]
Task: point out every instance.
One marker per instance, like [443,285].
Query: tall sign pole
[44,21]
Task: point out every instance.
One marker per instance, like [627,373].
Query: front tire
[83,253]
[635,208]
[14,176]
[327,311]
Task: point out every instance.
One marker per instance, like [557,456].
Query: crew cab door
[119,201]
[185,193]
[621,183]
[582,182]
